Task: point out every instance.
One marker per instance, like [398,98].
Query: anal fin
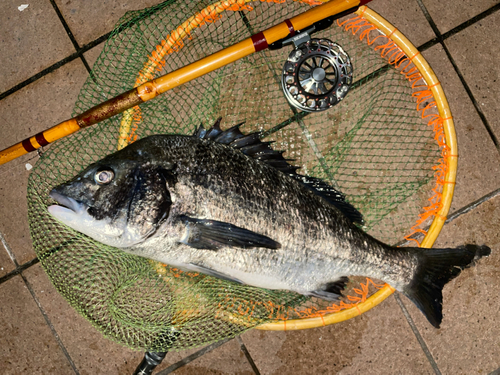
[332,291]
[211,272]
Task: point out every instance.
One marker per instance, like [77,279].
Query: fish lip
[66,202]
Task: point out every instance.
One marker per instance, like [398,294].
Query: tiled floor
[46,50]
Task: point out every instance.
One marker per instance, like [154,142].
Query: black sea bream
[227,205]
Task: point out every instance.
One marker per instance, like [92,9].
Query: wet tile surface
[477,55]
[97,17]
[377,342]
[462,11]
[31,41]
[467,342]
[28,346]
[479,161]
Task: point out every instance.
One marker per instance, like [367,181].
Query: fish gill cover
[374,147]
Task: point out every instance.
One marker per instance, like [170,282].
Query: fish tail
[436,267]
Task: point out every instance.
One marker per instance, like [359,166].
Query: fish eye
[104,177]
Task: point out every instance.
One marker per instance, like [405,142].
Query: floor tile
[378,342]
[28,346]
[14,218]
[468,341]
[31,41]
[476,54]
[461,10]
[28,111]
[94,18]
[407,17]
[479,162]
[42,104]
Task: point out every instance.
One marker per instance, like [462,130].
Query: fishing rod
[290,30]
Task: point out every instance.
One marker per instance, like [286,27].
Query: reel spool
[317,75]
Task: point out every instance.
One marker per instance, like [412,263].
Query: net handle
[433,83]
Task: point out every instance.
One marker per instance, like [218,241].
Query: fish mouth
[66,205]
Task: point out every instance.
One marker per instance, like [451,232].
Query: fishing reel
[317,75]
[318,72]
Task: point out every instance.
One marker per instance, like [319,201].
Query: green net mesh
[374,146]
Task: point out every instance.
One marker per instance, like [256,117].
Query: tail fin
[437,267]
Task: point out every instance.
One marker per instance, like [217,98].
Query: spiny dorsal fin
[249,144]
[252,146]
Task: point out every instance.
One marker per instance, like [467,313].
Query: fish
[228,205]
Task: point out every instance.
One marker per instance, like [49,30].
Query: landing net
[383,146]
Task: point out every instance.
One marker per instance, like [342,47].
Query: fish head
[119,201]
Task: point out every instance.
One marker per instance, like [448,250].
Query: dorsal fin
[331,195]
[252,146]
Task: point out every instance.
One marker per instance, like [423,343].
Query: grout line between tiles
[65,25]
[49,323]
[43,73]
[247,354]
[78,54]
[472,205]
[417,334]
[70,34]
[460,76]
[192,357]
[471,21]
[18,270]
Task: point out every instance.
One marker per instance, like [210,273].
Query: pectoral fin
[212,235]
